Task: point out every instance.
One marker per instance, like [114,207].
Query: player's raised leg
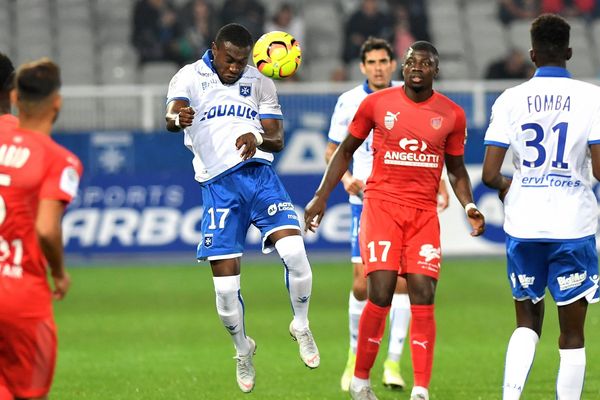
[298,279]
[230,307]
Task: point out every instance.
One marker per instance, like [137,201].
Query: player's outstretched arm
[491,175]
[461,184]
[338,165]
[179,115]
[49,232]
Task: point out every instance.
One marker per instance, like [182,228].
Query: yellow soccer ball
[277,55]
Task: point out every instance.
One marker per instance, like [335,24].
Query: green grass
[149,333]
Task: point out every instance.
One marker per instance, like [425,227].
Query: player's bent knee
[292,252]
[227,289]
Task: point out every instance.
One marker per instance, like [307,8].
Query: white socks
[519,357]
[399,319]
[298,277]
[571,372]
[230,307]
[355,309]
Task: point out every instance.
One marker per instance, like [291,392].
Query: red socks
[422,343]
[370,332]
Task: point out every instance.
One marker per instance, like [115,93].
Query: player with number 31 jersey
[548,122]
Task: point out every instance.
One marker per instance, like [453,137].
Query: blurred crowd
[164,30]
[510,10]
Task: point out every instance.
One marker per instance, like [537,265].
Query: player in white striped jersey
[232,123]
[378,66]
[552,124]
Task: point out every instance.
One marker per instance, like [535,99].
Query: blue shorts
[356,210]
[252,194]
[568,268]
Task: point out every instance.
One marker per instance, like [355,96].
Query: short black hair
[7,73]
[550,34]
[236,34]
[37,80]
[374,43]
[423,45]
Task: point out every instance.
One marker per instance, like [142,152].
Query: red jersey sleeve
[62,180]
[363,122]
[455,144]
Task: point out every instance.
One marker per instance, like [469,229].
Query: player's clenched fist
[186,117]
[249,143]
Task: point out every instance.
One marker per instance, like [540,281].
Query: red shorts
[27,356]
[399,238]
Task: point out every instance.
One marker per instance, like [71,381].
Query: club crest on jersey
[245,90]
[208,240]
[390,119]
[436,123]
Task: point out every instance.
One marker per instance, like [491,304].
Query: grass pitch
[130,332]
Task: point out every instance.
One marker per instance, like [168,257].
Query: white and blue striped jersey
[549,123]
[345,108]
[223,113]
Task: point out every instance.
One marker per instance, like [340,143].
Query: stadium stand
[91,39]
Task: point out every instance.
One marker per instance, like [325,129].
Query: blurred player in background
[233,124]
[38,178]
[414,130]
[7,74]
[378,65]
[552,124]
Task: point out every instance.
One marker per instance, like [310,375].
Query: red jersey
[8,122]
[410,141]
[32,167]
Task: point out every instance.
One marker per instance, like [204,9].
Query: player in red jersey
[414,130]
[38,178]
[7,72]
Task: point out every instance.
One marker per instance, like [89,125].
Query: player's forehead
[412,54]
[376,55]
[234,52]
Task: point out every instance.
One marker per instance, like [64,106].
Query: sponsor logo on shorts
[524,280]
[431,257]
[572,281]
[272,209]
[430,253]
[283,206]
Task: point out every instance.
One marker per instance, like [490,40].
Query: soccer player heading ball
[232,122]
[414,131]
